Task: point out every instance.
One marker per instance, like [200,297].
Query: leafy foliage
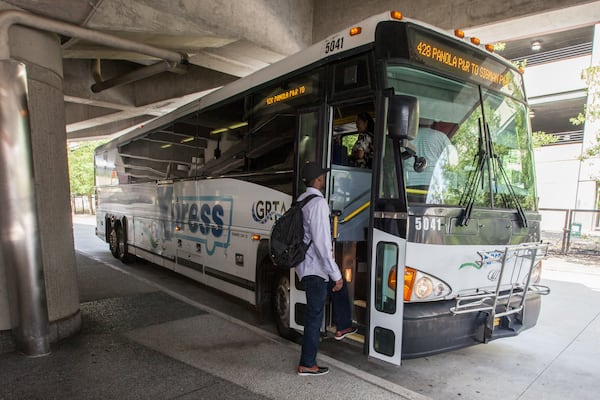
[81,167]
[541,138]
[591,112]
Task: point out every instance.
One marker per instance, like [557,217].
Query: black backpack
[286,246]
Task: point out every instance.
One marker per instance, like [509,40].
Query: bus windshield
[475,141]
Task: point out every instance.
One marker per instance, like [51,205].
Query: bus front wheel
[281,306]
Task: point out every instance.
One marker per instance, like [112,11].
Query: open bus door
[388,231]
[311,147]
[387,307]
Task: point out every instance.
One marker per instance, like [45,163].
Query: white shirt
[319,256]
[437,150]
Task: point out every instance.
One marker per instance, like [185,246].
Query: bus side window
[272,144]
[339,152]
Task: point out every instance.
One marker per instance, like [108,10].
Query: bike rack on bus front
[509,298]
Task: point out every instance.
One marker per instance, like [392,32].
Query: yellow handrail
[355,212]
[417,191]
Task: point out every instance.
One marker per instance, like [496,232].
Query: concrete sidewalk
[140,343]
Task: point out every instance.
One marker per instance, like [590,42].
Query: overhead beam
[128,116]
[541,23]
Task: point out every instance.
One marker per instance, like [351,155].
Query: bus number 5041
[428,223]
[334,45]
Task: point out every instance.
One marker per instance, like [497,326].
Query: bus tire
[113,241]
[281,306]
[122,252]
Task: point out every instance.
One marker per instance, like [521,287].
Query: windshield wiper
[468,197]
[499,171]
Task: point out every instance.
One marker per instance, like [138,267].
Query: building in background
[557,93]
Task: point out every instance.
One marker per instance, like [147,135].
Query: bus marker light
[459,33]
[256,237]
[392,278]
[355,31]
[409,281]
[177,228]
[396,15]
[475,41]
[348,275]
[490,47]
[239,259]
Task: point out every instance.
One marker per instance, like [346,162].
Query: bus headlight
[536,273]
[419,286]
[423,287]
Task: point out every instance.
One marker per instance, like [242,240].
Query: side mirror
[420,164]
[403,117]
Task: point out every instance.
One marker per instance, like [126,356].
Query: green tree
[541,138]
[591,112]
[81,167]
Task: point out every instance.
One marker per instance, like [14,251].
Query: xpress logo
[204,219]
[264,211]
[489,259]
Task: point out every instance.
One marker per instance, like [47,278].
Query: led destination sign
[285,95]
[438,54]
[450,59]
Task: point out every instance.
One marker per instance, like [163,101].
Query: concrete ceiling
[222,43]
[224,40]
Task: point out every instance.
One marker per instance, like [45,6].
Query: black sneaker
[316,370]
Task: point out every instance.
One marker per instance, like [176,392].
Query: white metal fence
[571,230]
[83,204]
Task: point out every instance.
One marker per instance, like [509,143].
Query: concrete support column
[41,53]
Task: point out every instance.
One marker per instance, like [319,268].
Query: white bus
[198,190]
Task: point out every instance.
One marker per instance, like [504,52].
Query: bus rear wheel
[122,252]
[113,242]
[281,306]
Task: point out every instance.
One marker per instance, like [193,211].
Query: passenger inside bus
[362,151]
[351,171]
[437,149]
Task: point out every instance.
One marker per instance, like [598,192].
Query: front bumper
[430,328]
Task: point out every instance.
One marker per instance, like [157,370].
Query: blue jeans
[316,295]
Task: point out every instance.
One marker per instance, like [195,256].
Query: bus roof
[312,54]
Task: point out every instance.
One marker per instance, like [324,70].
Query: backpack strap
[304,202]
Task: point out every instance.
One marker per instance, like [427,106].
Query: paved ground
[138,342]
[184,341]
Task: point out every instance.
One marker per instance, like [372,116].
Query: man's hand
[338,285]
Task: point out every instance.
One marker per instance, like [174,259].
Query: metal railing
[582,233]
[83,204]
